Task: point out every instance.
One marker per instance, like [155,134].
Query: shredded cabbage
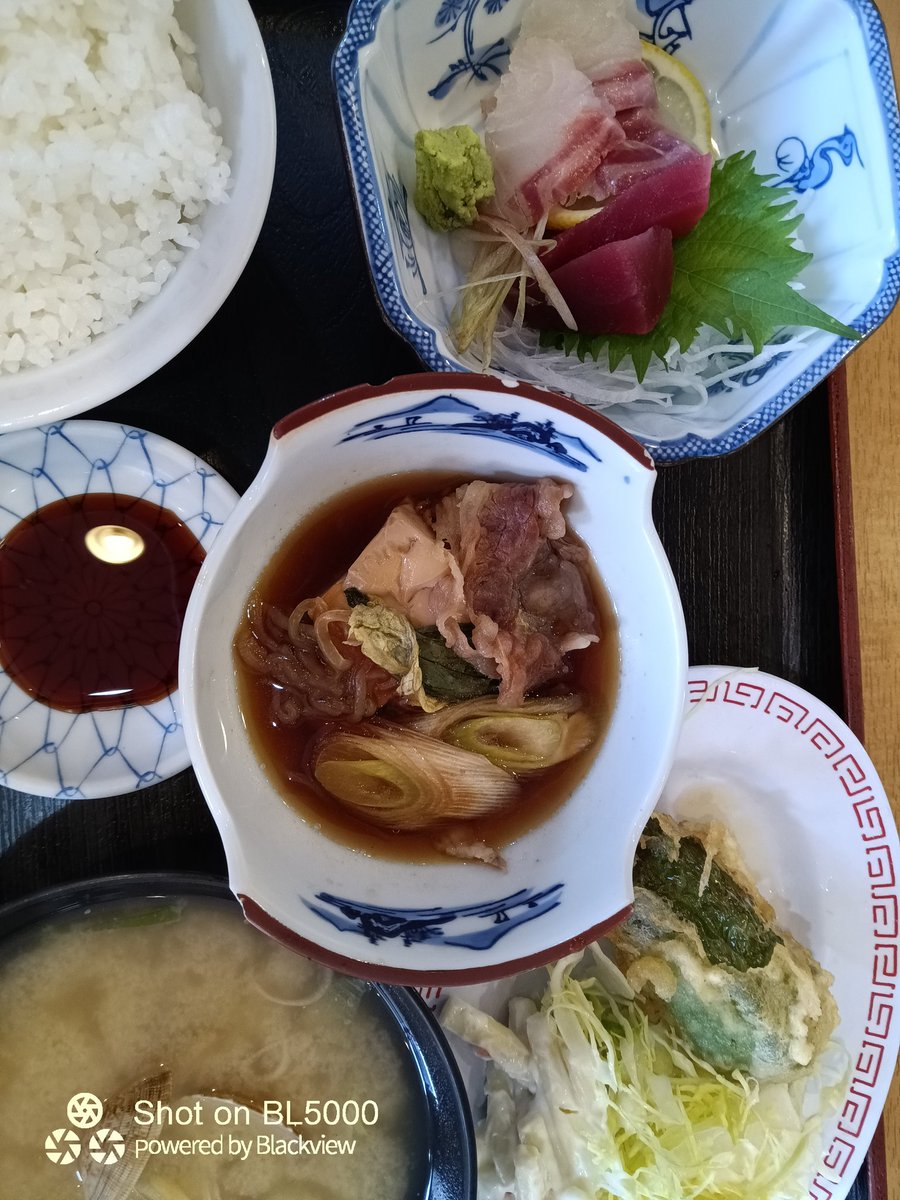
[613,1104]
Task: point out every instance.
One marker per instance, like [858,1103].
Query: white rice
[108,157]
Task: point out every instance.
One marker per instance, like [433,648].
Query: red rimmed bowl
[568,878]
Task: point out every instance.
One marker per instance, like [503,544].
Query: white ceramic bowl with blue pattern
[50,752]
[806,84]
[567,879]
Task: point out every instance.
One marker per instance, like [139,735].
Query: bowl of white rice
[137,150]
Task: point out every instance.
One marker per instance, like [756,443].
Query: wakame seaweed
[446,676]
[729,927]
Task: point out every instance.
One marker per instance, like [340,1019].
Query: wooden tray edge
[851,660]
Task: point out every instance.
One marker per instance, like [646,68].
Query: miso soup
[216,1055]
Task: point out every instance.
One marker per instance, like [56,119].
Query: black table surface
[750,536]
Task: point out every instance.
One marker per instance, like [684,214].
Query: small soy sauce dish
[103,529]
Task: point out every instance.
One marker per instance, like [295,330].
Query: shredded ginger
[588,1099]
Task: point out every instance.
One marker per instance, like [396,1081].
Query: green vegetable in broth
[445,675]
[154,914]
[388,639]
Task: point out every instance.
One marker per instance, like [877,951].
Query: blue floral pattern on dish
[414,926]
[804,171]
[745,378]
[398,209]
[65,755]
[477,62]
[449,414]
[669,22]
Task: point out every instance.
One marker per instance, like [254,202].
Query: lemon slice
[681,98]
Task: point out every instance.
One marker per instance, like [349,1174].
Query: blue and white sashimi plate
[805,84]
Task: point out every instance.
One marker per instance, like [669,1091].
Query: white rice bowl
[115,169]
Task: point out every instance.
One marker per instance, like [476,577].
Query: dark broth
[312,557]
[80,633]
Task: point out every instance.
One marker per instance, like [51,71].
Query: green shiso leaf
[733,271]
[445,675]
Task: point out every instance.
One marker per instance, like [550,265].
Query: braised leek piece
[539,733]
[399,779]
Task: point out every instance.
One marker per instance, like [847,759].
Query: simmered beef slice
[526,593]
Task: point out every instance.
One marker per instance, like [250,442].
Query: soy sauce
[93,591]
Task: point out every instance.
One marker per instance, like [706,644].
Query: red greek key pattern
[430,995]
[787,709]
[880,867]
[728,691]
[824,738]
[855,1111]
[868,1062]
[880,1015]
[884,916]
[851,775]
[869,818]
[838,1157]
[884,969]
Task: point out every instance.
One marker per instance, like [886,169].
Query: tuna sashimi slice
[620,287]
[547,133]
[674,196]
[649,144]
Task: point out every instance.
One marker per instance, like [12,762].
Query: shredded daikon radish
[680,385]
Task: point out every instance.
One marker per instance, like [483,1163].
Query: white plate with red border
[814,825]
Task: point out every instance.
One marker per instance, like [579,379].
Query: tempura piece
[742,992]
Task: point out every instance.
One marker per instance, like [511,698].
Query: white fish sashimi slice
[597,33]
[631,86]
[547,133]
